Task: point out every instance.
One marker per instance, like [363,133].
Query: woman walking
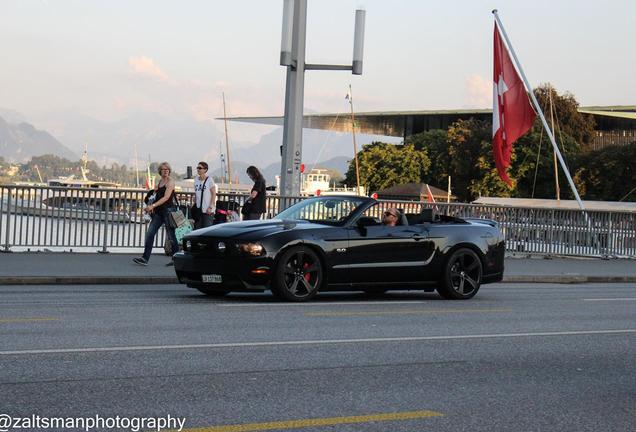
[256,201]
[160,209]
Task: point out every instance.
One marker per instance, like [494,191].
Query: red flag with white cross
[512,114]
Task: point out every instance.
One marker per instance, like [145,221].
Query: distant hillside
[19,142]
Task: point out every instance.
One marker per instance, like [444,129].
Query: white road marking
[313,342]
[611,299]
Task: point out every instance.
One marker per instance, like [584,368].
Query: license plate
[212,278]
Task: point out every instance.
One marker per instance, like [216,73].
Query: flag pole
[538,108]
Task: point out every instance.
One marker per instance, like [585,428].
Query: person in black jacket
[256,201]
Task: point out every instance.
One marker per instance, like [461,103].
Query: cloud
[146,67]
[479,92]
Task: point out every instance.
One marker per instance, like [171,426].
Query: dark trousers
[159,217]
[204,221]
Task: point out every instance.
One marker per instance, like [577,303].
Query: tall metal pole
[294,98]
[292,56]
[227,146]
[556,166]
[355,145]
[538,108]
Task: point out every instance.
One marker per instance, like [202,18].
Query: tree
[568,120]
[384,165]
[608,174]
[434,144]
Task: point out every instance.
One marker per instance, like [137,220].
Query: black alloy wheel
[298,275]
[462,275]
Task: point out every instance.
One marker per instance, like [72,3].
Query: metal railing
[36,217]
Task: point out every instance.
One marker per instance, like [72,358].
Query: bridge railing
[40,217]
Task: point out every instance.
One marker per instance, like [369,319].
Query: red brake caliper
[307,276]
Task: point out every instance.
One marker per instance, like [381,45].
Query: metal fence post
[7,245]
[107,212]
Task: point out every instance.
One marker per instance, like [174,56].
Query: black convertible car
[339,243]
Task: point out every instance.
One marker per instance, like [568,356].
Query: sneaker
[140,261]
[171,263]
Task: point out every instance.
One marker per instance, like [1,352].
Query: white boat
[318,182]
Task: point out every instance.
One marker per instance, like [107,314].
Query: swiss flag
[512,114]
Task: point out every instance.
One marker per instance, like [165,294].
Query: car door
[381,253]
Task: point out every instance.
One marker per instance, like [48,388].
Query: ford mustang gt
[336,243]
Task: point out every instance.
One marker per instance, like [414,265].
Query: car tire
[212,292]
[298,276]
[462,275]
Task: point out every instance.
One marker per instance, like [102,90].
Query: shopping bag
[182,231]
[176,218]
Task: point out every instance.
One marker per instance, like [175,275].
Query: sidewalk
[67,268]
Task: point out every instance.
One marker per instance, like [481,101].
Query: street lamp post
[293,57]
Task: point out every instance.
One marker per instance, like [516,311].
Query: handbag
[176,219]
[247,208]
[150,197]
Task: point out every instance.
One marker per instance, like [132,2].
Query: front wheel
[462,275]
[298,275]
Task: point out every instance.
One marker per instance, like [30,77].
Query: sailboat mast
[136,167]
[227,145]
[39,175]
[223,167]
[355,145]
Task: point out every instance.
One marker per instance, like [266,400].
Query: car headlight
[252,249]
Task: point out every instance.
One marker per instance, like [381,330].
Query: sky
[109,59]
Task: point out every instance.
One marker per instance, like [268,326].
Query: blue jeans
[159,217]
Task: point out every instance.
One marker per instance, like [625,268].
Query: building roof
[615,206]
[405,123]
[413,190]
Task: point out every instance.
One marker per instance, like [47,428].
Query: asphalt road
[515,358]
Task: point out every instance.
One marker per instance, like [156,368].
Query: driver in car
[390,217]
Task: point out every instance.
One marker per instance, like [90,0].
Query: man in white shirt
[205,197]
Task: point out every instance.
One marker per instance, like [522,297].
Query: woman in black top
[256,201]
[163,204]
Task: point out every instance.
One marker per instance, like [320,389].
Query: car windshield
[327,210]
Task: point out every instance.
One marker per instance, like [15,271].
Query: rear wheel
[298,275]
[462,275]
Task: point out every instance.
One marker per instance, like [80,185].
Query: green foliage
[464,152]
[567,119]
[608,174]
[384,165]
[435,145]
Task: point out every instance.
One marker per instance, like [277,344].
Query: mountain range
[182,142]
[21,141]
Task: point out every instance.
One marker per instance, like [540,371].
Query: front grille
[205,246]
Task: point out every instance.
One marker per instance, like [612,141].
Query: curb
[169,280]
[87,280]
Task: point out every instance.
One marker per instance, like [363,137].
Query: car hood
[253,229]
